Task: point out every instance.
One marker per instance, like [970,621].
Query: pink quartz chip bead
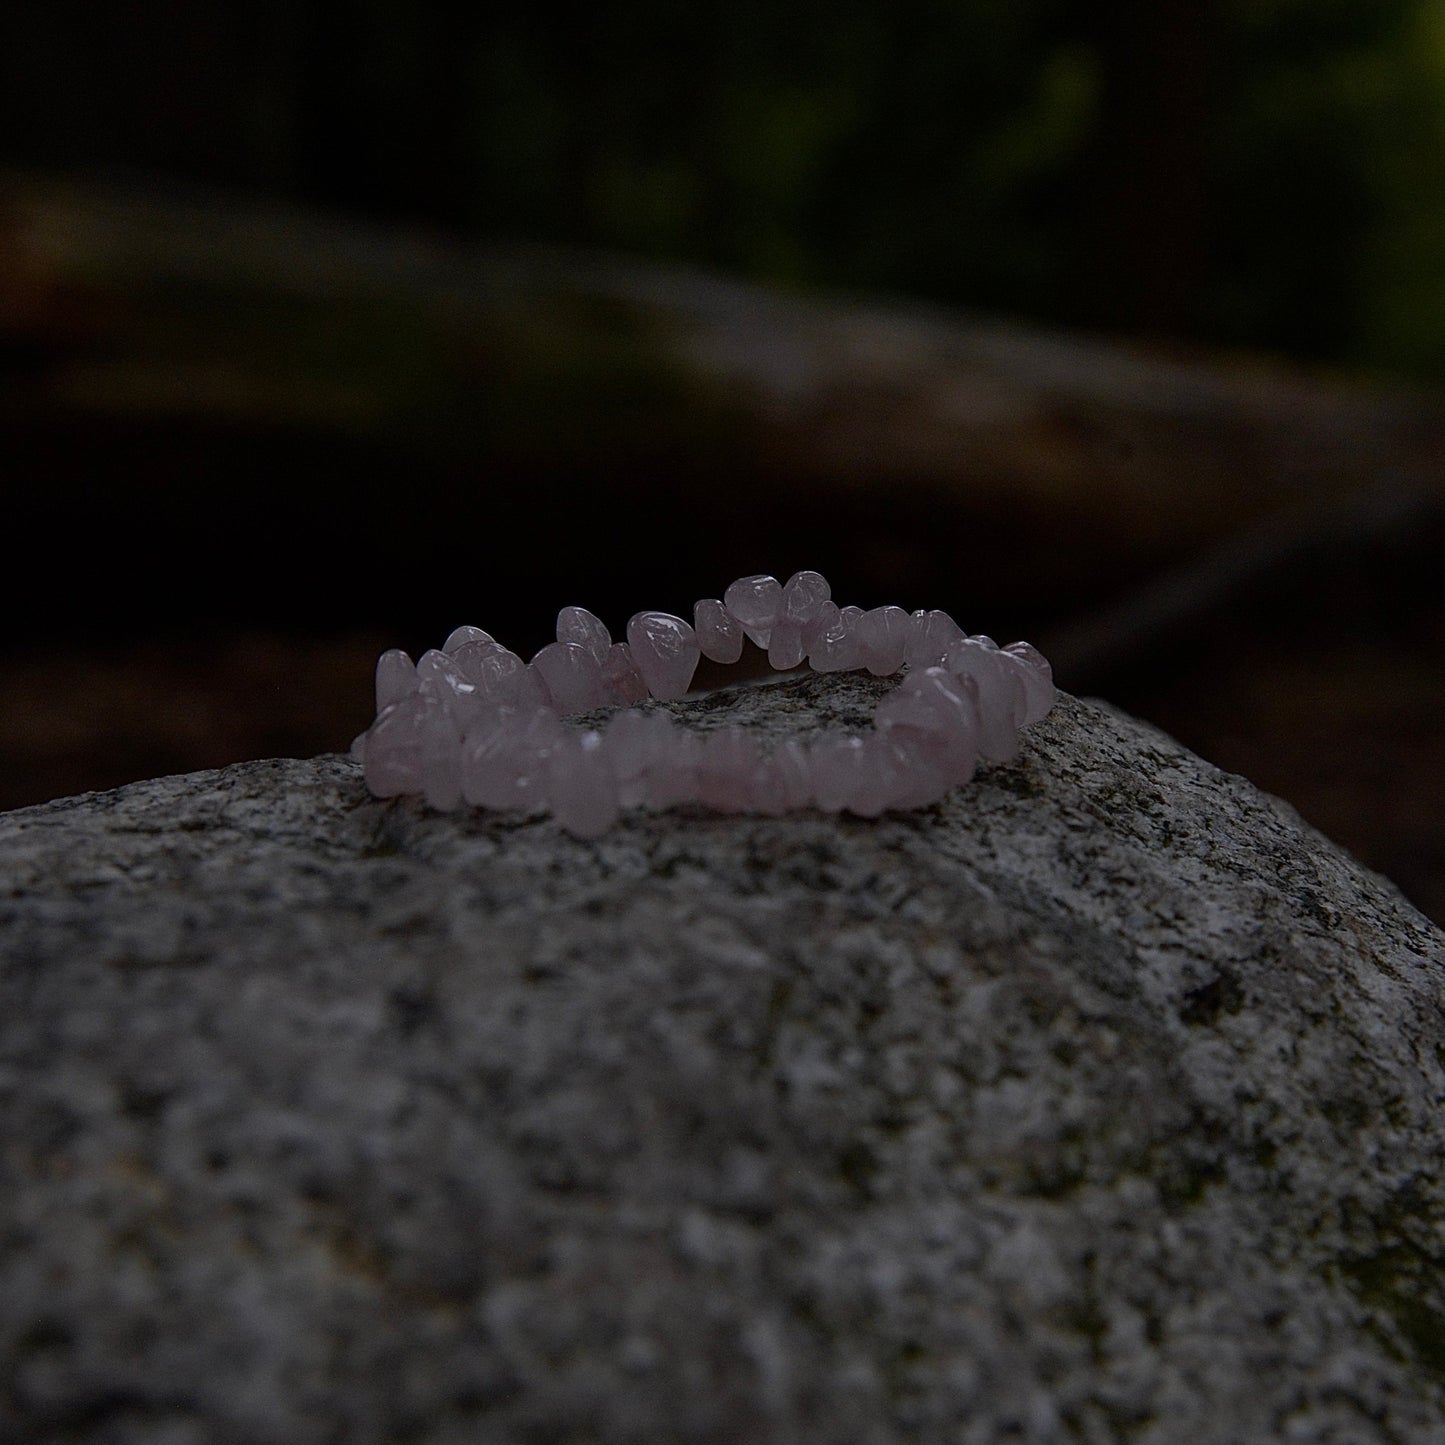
[835,764]
[441,747]
[783,782]
[803,596]
[930,635]
[495,671]
[393,749]
[727,770]
[882,638]
[572,676]
[1001,698]
[633,742]
[672,771]
[937,714]
[395,678]
[504,764]
[620,678]
[757,603]
[577,624]
[787,646]
[665,651]
[719,633]
[441,678]
[1040,694]
[461,636]
[581,787]
[833,641]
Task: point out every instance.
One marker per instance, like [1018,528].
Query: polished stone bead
[719,633]
[572,676]
[441,678]
[881,779]
[577,624]
[803,596]
[461,636]
[727,768]
[395,678]
[835,767]
[1000,694]
[882,637]
[937,714]
[672,773]
[756,602]
[621,680]
[441,746]
[784,783]
[833,645]
[665,650]
[922,775]
[1040,694]
[504,764]
[634,741]
[393,749]
[930,635]
[786,647]
[492,669]
[581,788]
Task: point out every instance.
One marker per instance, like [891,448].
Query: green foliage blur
[1256,173]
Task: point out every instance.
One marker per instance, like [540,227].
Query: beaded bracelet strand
[472,723]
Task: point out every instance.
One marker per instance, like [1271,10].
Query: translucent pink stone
[572,676]
[783,781]
[621,680]
[577,624]
[935,714]
[727,768]
[581,788]
[719,633]
[672,771]
[632,740]
[920,776]
[881,780]
[491,668]
[395,678]
[531,692]
[786,647]
[504,765]
[930,635]
[441,746]
[835,766]
[804,595]
[393,749]
[435,666]
[1040,694]
[488,768]
[357,750]
[882,637]
[756,602]
[462,636]
[833,645]
[441,679]
[1000,694]
[665,651]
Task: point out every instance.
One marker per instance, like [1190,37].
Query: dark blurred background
[324,328]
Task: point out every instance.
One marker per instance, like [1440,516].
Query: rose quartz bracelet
[472,723]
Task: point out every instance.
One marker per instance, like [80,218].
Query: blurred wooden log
[356,405]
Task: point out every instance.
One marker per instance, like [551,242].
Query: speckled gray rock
[1100,1102]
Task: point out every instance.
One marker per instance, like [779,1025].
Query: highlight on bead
[471,724]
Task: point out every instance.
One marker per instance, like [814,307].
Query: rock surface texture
[1099,1102]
